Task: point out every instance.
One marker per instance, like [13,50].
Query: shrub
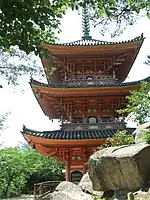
[146,136]
[120,138]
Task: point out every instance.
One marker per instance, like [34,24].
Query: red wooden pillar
[84,167]
[68,170]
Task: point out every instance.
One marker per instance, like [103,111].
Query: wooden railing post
[41,189]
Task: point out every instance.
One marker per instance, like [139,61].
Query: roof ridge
[86,42]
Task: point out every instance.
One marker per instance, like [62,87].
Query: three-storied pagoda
[85,88]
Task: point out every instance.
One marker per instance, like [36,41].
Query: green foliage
[139,104]
[120,138]
[28,23]
[44,169]
[22,167]
[146,136]
[12,167]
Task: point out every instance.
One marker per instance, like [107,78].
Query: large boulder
[68,186]
[140,131]
[68,191]
[63,195]
[86,183]
[120,168]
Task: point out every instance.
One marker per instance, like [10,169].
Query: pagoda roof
[94,42]
[75,134]
[86,85]
[93,50]
[46,93]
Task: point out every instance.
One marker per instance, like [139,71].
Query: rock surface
[140,131]
[68,191]
[68,186]
[142,194]
[86,183]
[138,195]
[63,195]
[120,168]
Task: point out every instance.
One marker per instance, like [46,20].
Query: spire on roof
[85,23]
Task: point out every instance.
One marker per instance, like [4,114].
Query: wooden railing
[44,188]
[86,126]
[41,189]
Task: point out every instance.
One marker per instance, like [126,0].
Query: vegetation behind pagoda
[138,106]
[22,167]
[119,138]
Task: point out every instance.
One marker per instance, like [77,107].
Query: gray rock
[68,191]
[140,131]
[63,195]
[68,186]
[142,194]
[120,168]
[121,195]
[86,183]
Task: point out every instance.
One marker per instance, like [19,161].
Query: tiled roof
[93,42]
[85,85]
[74,135]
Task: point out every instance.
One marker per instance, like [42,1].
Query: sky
[23,106]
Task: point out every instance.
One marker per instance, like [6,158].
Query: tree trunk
[8,190]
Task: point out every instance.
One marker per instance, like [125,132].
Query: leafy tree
[139,104]
[44,169]
[28,23]
[12,168]
[18,166]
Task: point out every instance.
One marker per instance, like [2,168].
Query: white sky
[24,107]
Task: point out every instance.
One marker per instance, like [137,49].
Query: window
[89,78]
[76,176]
[92,120]
[76,158]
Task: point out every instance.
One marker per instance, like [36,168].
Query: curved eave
[81,90]
[45,104]
[130,64]
[61,138]
[95,44]
[63,143]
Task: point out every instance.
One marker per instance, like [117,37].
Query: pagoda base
[73,148]
[75,161]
